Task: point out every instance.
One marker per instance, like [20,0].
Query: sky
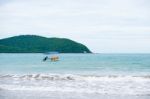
[104,26]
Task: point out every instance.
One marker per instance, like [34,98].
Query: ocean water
[75,76]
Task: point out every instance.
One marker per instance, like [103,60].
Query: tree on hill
[38,44]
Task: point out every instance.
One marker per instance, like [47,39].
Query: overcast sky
[104,26]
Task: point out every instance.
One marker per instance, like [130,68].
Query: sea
[75,76]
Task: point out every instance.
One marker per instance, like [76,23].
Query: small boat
[53,57]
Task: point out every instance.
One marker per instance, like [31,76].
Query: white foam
[111,84]
[76,77]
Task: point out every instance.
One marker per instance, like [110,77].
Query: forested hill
[38,44]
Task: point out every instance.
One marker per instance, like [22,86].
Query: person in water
[45,58]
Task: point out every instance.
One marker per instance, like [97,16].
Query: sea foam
[110,84]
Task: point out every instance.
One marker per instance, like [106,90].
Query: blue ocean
[75,76]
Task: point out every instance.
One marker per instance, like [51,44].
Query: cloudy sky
[105,26]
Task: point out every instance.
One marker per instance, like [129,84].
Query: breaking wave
[74,77]
[111,84]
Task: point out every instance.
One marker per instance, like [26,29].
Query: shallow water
[83,76]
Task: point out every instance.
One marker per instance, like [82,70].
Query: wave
[109,84]
[74,77]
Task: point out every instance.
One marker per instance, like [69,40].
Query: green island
[39,44]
